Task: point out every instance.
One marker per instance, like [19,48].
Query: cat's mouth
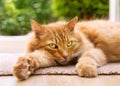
[62,63]
[67,62]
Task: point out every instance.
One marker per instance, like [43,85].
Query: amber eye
[53,46]
[70,43]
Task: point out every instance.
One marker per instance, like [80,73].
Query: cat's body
[91,43]
[104,35]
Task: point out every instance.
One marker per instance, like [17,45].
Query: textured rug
[7,60]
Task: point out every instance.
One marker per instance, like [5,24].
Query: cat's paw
[22,68]
[86,69]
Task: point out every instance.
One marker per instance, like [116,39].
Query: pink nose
[65,57]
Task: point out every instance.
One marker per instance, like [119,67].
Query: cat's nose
[65,57]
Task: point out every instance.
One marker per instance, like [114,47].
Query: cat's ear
[36,27]
[71,24]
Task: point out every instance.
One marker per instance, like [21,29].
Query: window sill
[12,44]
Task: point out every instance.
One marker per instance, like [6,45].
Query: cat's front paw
[86,69]
[22,68]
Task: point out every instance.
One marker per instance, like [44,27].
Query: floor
[61,80]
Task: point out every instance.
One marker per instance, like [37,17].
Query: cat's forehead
[56,38]
[57,32]
[60,35]
[56,29]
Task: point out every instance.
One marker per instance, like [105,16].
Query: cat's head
[58,39]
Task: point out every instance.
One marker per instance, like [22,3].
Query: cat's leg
[27,64]
[89,61]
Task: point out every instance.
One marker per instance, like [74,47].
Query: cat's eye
[70,43]
[53,46]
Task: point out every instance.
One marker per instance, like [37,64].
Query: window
[114,10]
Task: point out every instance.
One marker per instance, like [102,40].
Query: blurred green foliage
[15,15]
[84,9]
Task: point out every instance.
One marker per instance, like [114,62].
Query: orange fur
[91,43]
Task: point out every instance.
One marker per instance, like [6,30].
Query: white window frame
[114,12]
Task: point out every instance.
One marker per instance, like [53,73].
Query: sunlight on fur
[87,44]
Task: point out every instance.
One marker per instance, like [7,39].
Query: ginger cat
[90,44]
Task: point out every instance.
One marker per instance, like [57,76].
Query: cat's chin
[62,63]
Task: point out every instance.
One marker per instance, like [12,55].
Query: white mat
[7,60]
